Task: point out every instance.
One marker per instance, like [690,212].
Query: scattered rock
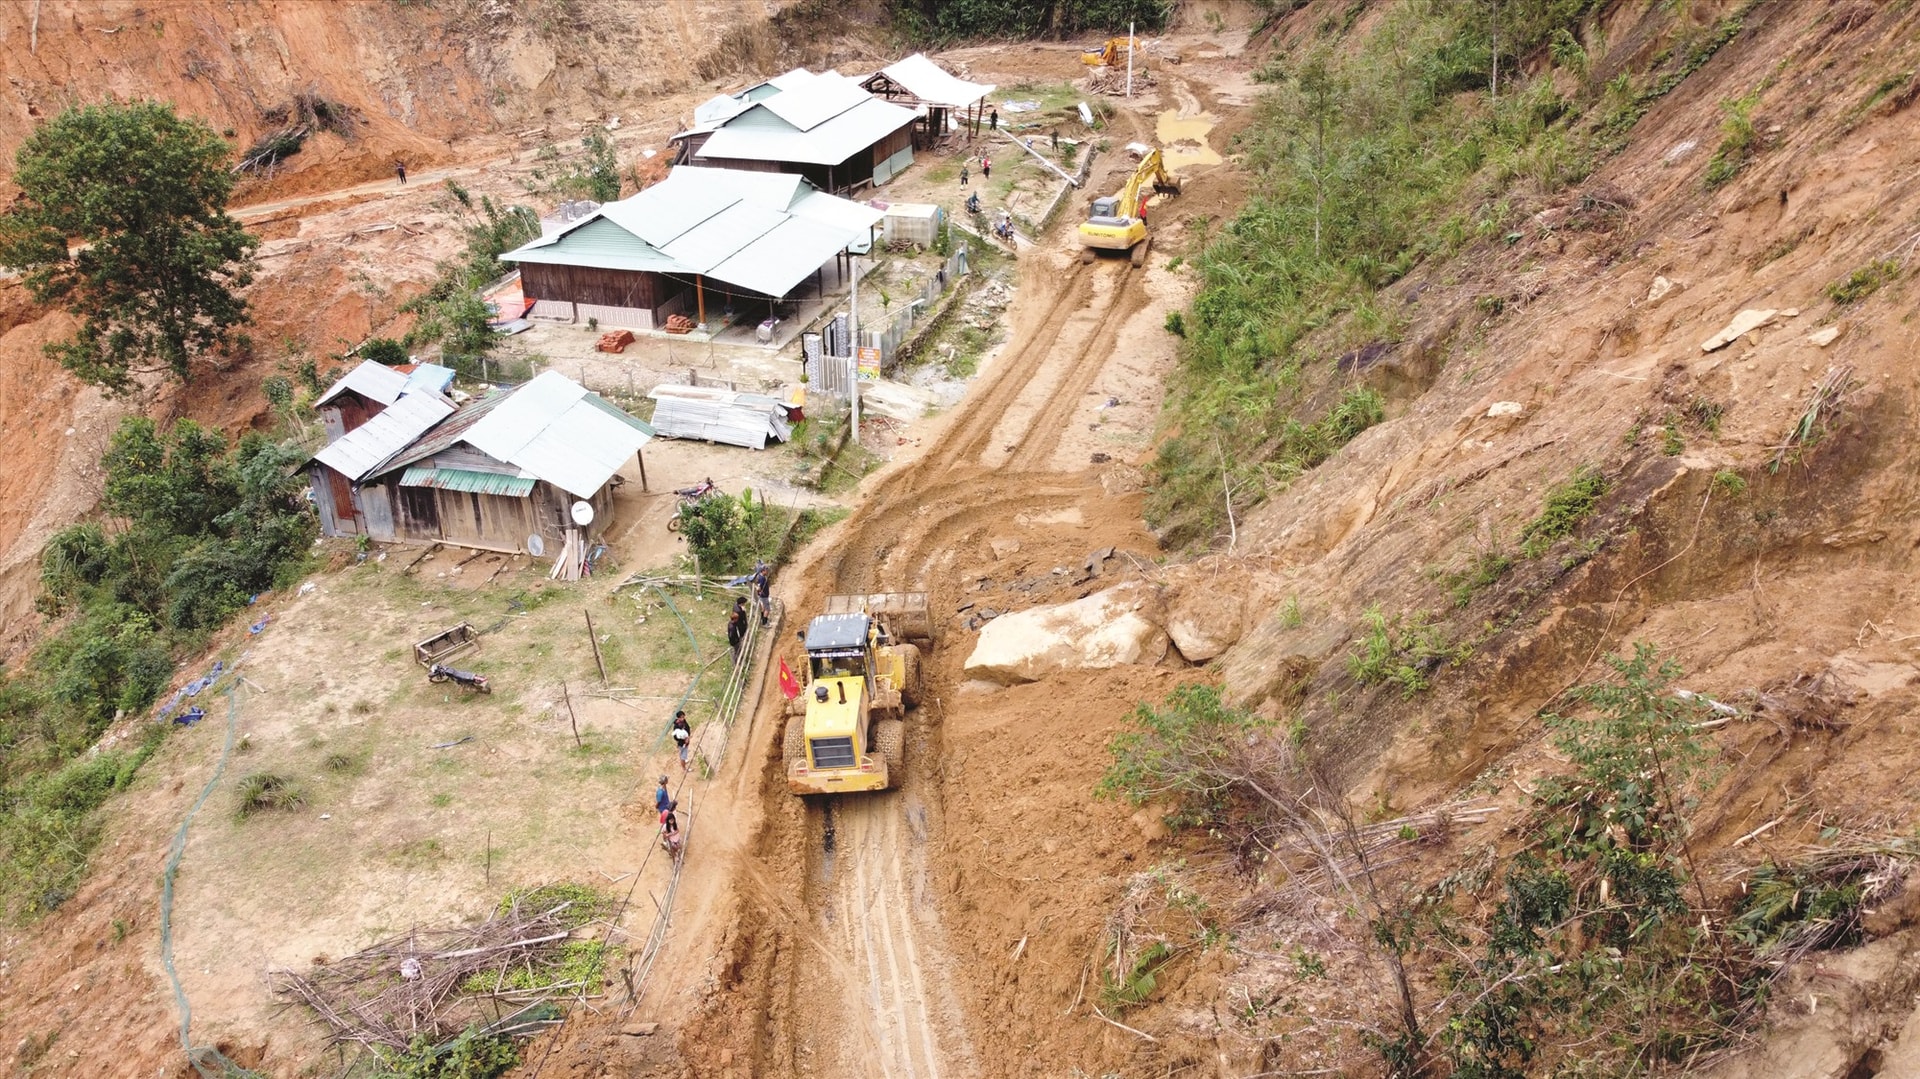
[1004,546]
[1107,629]
[1742,323]
[1661,286]
[1825,337]
[1205,621]
[639,1030]
[1504,408]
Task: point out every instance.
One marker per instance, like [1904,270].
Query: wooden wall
[586,284]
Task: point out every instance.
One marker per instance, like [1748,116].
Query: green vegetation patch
[1862,282]
[1567,504]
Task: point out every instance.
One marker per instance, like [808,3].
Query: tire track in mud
[882,1003]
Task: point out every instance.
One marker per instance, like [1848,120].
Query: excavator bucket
[908,616]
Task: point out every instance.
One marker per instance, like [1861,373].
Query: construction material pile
[1112,81]
[679,324]
[499,974]
[614,341]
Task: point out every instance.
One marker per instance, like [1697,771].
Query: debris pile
[434,983]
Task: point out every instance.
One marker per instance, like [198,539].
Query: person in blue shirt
[661,799]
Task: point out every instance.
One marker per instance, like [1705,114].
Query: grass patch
[1862,282]
[1483,571]
[812,521]
[577,904]
[1403,650]
[1737,142]
[1567,504]
[262,792]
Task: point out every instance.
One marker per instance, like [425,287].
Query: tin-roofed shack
[500,474]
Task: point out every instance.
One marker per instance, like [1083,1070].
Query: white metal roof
[718,110]
[813,103]
[374,381]
[815,205]
[925,80]
[751,229]
[759,134]
[782,257]
[361,450]
[553,429]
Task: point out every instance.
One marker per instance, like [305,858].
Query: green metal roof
[619,413]
[461,479]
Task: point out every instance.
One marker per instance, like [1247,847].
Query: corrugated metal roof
[463,479]
[791,80]
[703,220]
[374,381]
[719,237]
[598,241]
[736,419]
[718,110]
[362,450]
[551,428]
[781,258]
[926,80]
[828,143]
[817,101]
[430,377]
[816,205]
[663,212]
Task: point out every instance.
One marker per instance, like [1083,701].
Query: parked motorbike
[688,496]
[442,673]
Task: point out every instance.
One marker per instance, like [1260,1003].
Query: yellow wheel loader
[847,730]
[1119,222]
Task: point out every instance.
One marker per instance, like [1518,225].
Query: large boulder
[1205,621]
[1118,627]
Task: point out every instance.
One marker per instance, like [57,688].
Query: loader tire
[910,676]
[795,745]
[890,743]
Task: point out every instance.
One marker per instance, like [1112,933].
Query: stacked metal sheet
[715,415]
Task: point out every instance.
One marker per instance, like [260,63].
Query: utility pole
[1129,57]
[853,361]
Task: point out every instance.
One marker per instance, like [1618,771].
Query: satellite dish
[535,545]
[582,513]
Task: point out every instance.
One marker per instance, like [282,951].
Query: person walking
[683,738]
[400,170]
[963,174]
[986,169]
[661,799]
[993,119]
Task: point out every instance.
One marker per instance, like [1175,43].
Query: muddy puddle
[1183,139]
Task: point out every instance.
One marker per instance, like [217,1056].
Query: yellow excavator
[1113,53]
[1118,222]
[847,731]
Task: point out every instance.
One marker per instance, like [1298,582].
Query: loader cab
[840,646]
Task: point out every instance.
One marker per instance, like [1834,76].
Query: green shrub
[384,350]
[1180,753]
[1862,282]
[1567,504]
[730,535]
[263,791]
[1176,324]
[1737,142]
[1402,650]
[472,1055]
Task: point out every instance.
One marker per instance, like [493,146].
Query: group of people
[760,588]
[986,170]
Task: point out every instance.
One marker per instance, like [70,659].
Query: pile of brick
[679,324]
[615,341]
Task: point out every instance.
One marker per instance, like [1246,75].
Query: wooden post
[595,642]
[700,296]
[641,456]
[571,718]
[489,857]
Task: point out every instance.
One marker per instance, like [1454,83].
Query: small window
[833,753]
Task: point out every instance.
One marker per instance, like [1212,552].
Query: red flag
[789,685]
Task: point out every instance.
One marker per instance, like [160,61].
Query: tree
[143,192]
